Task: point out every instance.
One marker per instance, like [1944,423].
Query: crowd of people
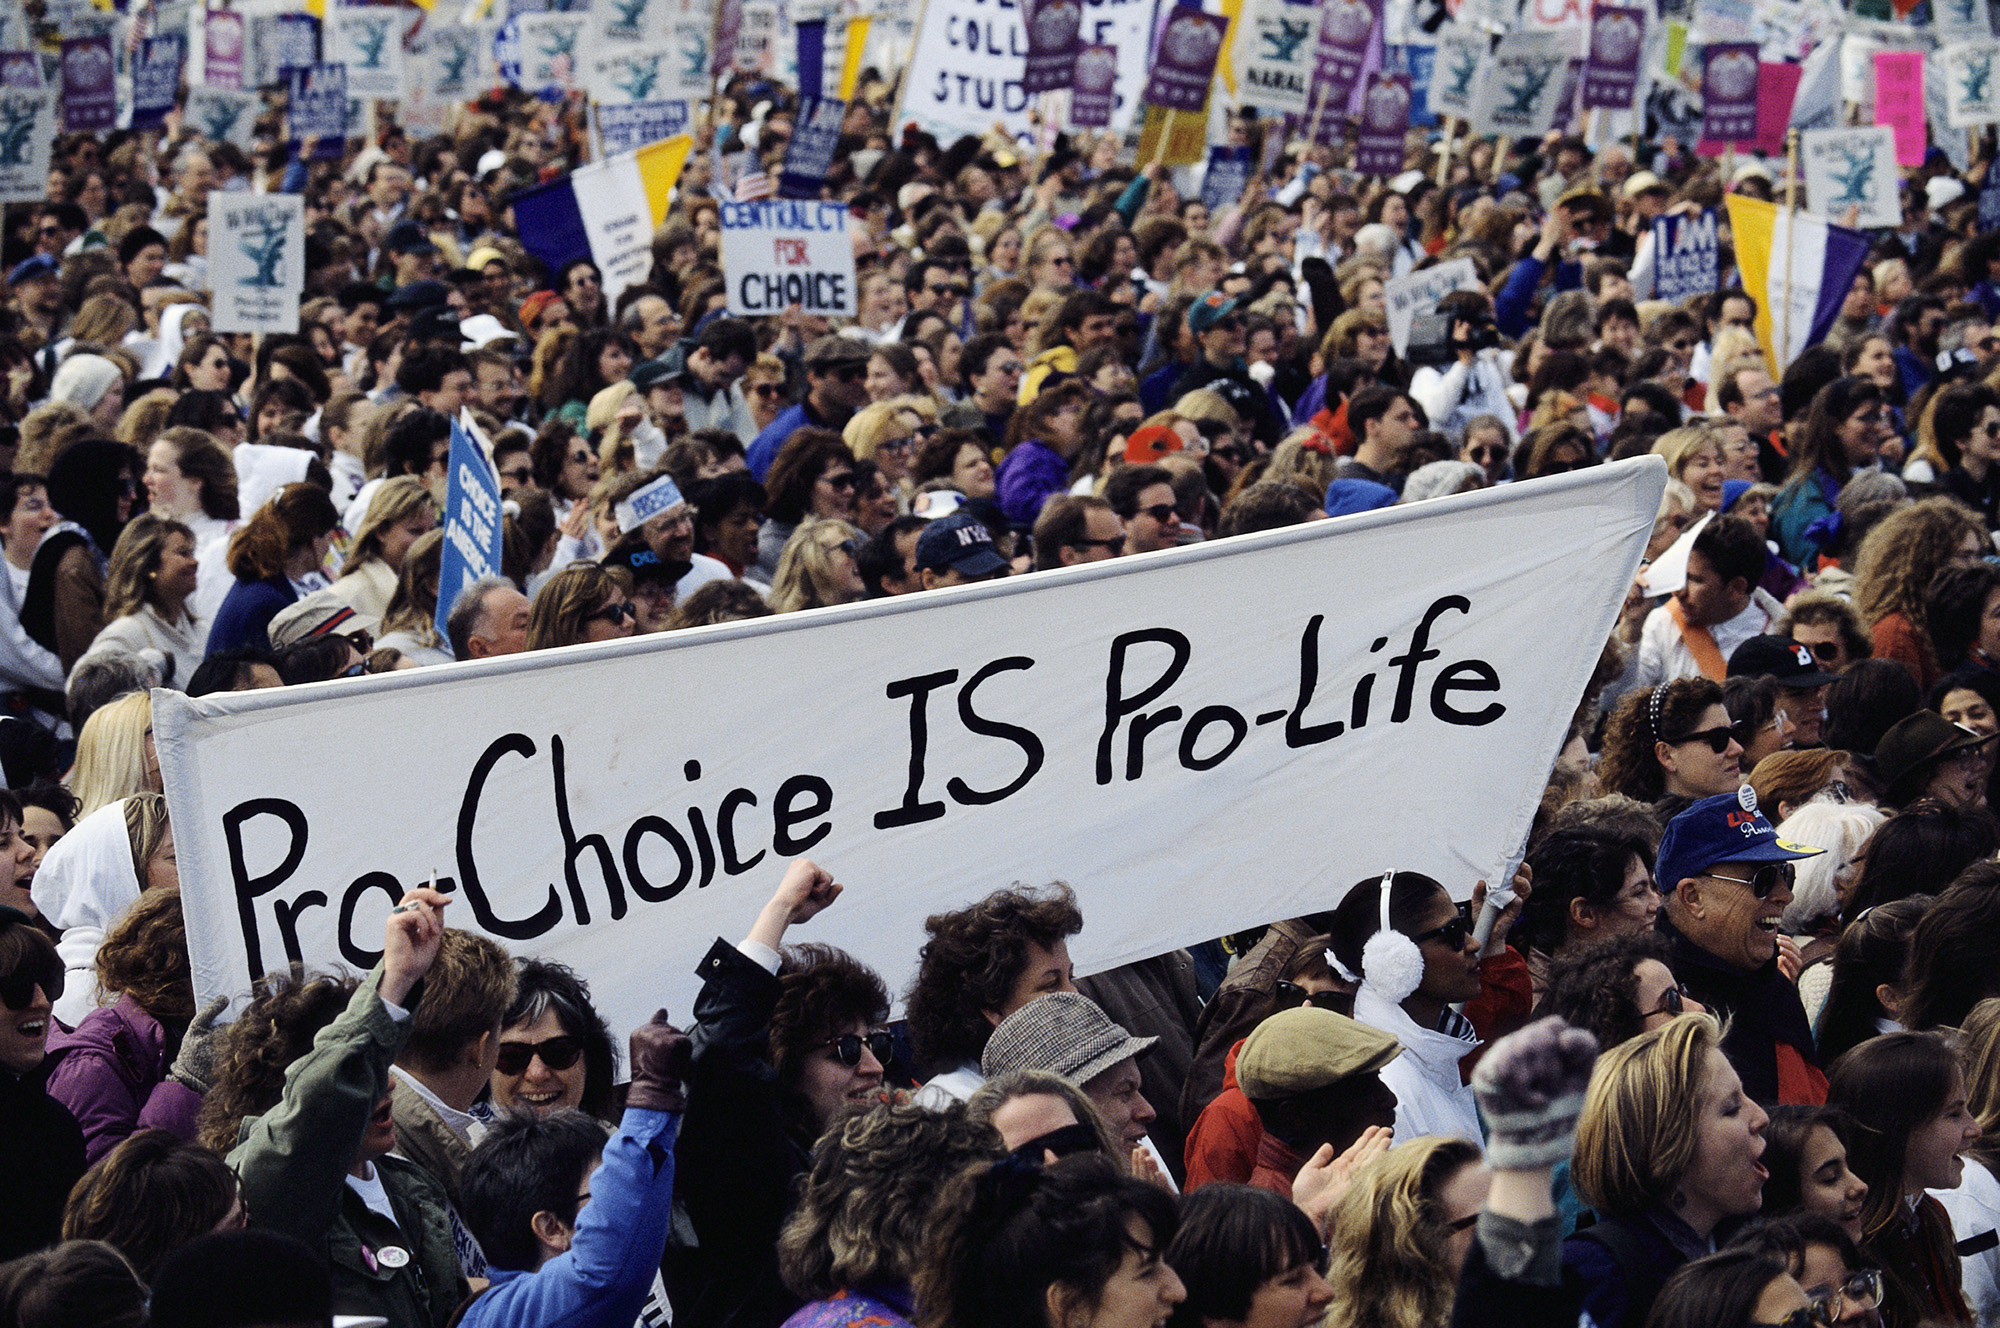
[1727,1055]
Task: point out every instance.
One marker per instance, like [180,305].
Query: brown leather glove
[661,1058]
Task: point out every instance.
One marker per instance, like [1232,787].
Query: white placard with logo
[256,261]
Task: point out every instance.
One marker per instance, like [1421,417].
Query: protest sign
[1777,87]
[316,108]
[456,62]
[964,73]
[1222,183]
[279,42]
[1899,102]
[15,33]
[1846,168]
[1345,30]
[550,54]
[221,46]
[256,261]
[1728,94]
[1962,20]
[472,523]
[368,39]
[1421,61]
[1385,119]
[1273,54]
[776,254]
[1989,202]
[1184,64]
[21,69]
[89,85]
[1093,101]
[810,44]
[808,157]
[156,78]
[1172,138]
[1971,92]
[1455,76]
[625,75]
[1611,69]
[886,737]
[1686,256]
[27,141]
[634,22]
[1053,29]
[629,127]
[221,116]
[1800,268]
[1418,293]
[1519,89]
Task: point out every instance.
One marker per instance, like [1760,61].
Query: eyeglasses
[769,389]
[842,481]
[947,289]
[847,1047]
[1488,455]
[1812,1316]
[1826,650]
[895,445]
[558,1053]
[1718,739]
[1453,933]
[850,373]
[1291,996]
[1160,512]
[614,614]
[518,474]
[1672,1002]
[1864,1285]
[1764,880]
[1108,545]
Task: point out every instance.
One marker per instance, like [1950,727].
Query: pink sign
[1777,86]
[1899,101]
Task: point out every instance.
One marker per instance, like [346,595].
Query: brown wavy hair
[1903,553]
[822,990]
[145,957]
[970,964]
[295,516]
[286,1012]
[149,1196]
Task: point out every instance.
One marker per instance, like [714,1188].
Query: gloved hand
[1530,1087]
[201,1049]
[661,1058]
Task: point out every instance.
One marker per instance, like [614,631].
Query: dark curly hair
[286,1012]
[1627,764]
[1586,863]
[1596,988]
[543,984]
[822,991]
[971,963]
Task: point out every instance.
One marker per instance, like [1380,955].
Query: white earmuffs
[1391,962]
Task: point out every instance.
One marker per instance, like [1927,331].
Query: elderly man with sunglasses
[1727,878]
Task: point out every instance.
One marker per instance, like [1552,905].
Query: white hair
[1839,828]
[1376,238]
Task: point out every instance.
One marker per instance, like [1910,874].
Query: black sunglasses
[1768,877]
[850,373]
[1826,650]
[1291,996]
[1671,1002]
[1453,933]
[1160,512]
[839,481]
[614,613]
[558,1053]
[1718,739]
[17,992]
[847,1047]
[769,389]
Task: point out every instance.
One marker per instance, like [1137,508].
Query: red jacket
[1222,1146]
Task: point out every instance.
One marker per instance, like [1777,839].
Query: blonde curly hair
[1390,1265]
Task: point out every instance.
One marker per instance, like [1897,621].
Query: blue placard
[318,109]
[1222,184]
[1421,61]
[472,523]
[156,78]
[1686,257]
[809,156]
[1989,201]
[635,124]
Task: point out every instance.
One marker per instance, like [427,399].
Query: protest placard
[156,78]
[1417,293]
[455,61]
[1686,256]
[1849,168]
[623,75]
[1728,94]
[1961,20]
[1222,183]
[1520,87]
[256,261]
[1455,74]
[550,52]
[1230,676]
[1421,60]
[1053,31]
[15,32]
[222,46]
[634,22]
[316,108]
[89,85]
[279,42]
[472,522]
[1184,64]
[1342,48]
[1777,89]
[779,253]
[1611,69]
[964,74]
[1899,102]
[1273,54]
[221,115]
[1989,202]
[808,157]
[21,69]
[1093,101]
[368,39]
[1966,70]
[27,141]
[633,125]
[1385,120]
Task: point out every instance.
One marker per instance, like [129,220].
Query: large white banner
[1198,740]
[965,73]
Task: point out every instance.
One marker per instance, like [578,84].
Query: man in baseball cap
[1066,1033]
[956,551]
[1727,878]
[1801,684]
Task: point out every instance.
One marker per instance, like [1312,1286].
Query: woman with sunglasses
[1042,1116]
[556,1051]
[812,476]
[1806,1154]
[818,567]
[764,389]
[45,1152]
[1907,1095]
[1965,420]
[1843,436]
[1412,947]
[790,1040]
[583,602]
[1249,1259]
[1674,740]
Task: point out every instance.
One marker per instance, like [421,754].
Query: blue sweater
[1029,477]
[245,616]
[602,1280]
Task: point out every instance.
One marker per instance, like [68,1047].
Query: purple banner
[1611,71]
[1568,117]
[1385,121]
[222,46]
[1091,98]
[728,27]
[1184,64]
[89,85]
[23,70]
[1053,28]
[1343,48]
[1729,92]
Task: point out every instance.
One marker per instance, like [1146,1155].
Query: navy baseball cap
[31,268]
[1725,828]
[961,543]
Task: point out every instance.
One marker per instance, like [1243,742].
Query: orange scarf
[1700,643]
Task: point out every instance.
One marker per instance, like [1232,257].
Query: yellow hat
[1296,1051]
[482,257]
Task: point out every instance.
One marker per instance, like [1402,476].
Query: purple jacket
[1029,477]
[112,1075]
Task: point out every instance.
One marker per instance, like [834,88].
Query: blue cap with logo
[960,543]
[1724,828]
